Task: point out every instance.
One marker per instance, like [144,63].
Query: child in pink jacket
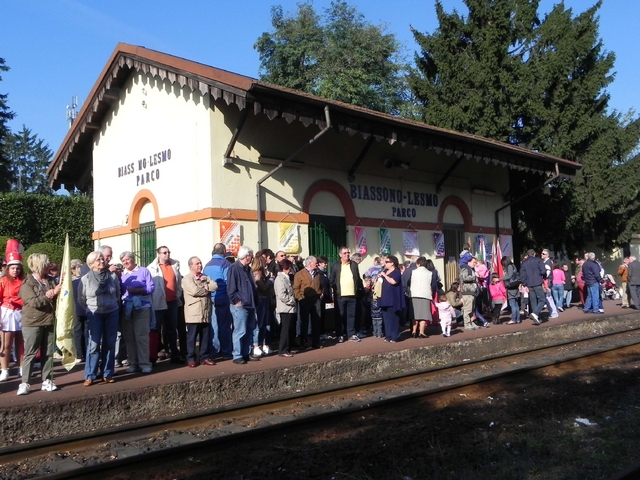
[498,296]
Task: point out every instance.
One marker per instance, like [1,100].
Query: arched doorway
[327,226]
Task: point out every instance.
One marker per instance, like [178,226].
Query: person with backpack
[512,283]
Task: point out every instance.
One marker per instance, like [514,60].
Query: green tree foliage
[5,116]
[502,73]
[54,251]
[339,56]
[32,218]
[29,157]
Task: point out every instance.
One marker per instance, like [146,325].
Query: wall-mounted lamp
[390,163]
[486,193]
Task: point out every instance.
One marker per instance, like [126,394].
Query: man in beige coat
[197,290]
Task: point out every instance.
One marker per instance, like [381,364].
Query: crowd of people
[239,307]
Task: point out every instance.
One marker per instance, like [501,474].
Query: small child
[498,297]
[376,311]
[465,255]
[447,313]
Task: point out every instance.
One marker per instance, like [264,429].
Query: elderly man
[221,319]
[307,288]
[634,281]
[592,279]
[243,294]
[347,285]
[468,291]
[197,290]
[166,300]
[115,269]
[532,274]
[623,272]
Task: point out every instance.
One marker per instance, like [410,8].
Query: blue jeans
[568,295]
[558,294]
[593,298]
[515,310]
[262,321]
[244,322]
[101,344]
[221,323]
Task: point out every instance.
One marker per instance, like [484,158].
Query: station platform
[174,389]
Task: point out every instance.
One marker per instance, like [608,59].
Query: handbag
[377,289]
[515,281]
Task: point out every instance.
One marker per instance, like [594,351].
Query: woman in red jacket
[11,308]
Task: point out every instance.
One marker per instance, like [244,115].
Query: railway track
[243,422]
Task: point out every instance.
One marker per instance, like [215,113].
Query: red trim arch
[339,191]
[140,200]
[457,202]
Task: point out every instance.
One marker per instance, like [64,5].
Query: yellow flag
[66,312]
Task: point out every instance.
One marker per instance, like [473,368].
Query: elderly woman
[423,286]
[286,307]
[197,289]
[11,313]
[392,300]
[99,297]
[79,331]
[137,286]
[38,292]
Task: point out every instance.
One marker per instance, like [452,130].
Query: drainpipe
[292,157]
[549,180]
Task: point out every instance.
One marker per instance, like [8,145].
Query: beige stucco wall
[154,116]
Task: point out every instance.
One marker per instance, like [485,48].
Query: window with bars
[326,235]
[144,243]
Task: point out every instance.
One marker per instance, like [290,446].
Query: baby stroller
[610,290]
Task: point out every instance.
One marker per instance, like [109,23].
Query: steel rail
[135,431]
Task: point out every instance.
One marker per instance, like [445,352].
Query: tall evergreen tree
[29,157]
[504,74]
[5,115]
[339,56]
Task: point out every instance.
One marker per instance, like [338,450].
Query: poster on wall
[230,236]
[506,244]
[481,249]
[410,243]
[361,240]
[289,238]
[438,242]
[385,241]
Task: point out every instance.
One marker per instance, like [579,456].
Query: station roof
[72,162]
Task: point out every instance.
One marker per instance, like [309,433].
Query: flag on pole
[496,258]
[66,312]
[480,248]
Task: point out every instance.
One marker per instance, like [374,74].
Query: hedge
[53,251]
[32,219]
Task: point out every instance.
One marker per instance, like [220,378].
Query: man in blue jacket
[221,320]
[532,273]
[592,280]
[243,295]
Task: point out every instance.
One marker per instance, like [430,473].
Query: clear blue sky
[57,49]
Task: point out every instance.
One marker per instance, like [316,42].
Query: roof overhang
[72,162]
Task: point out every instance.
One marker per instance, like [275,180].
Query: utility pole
[72,113]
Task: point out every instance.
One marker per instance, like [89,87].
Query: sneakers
[560,309]
[4,375]
[48,386]
[535,318]
[266,350]
[257,352]
[355,338]
[132,369]
[147,370]
[24,388]
[341,339]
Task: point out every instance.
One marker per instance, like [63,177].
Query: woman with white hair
[99,296]
[38,292]
[137,286]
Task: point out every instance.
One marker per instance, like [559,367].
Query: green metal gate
[144,243]
[326,235]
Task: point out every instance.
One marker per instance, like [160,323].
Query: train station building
[183,154]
